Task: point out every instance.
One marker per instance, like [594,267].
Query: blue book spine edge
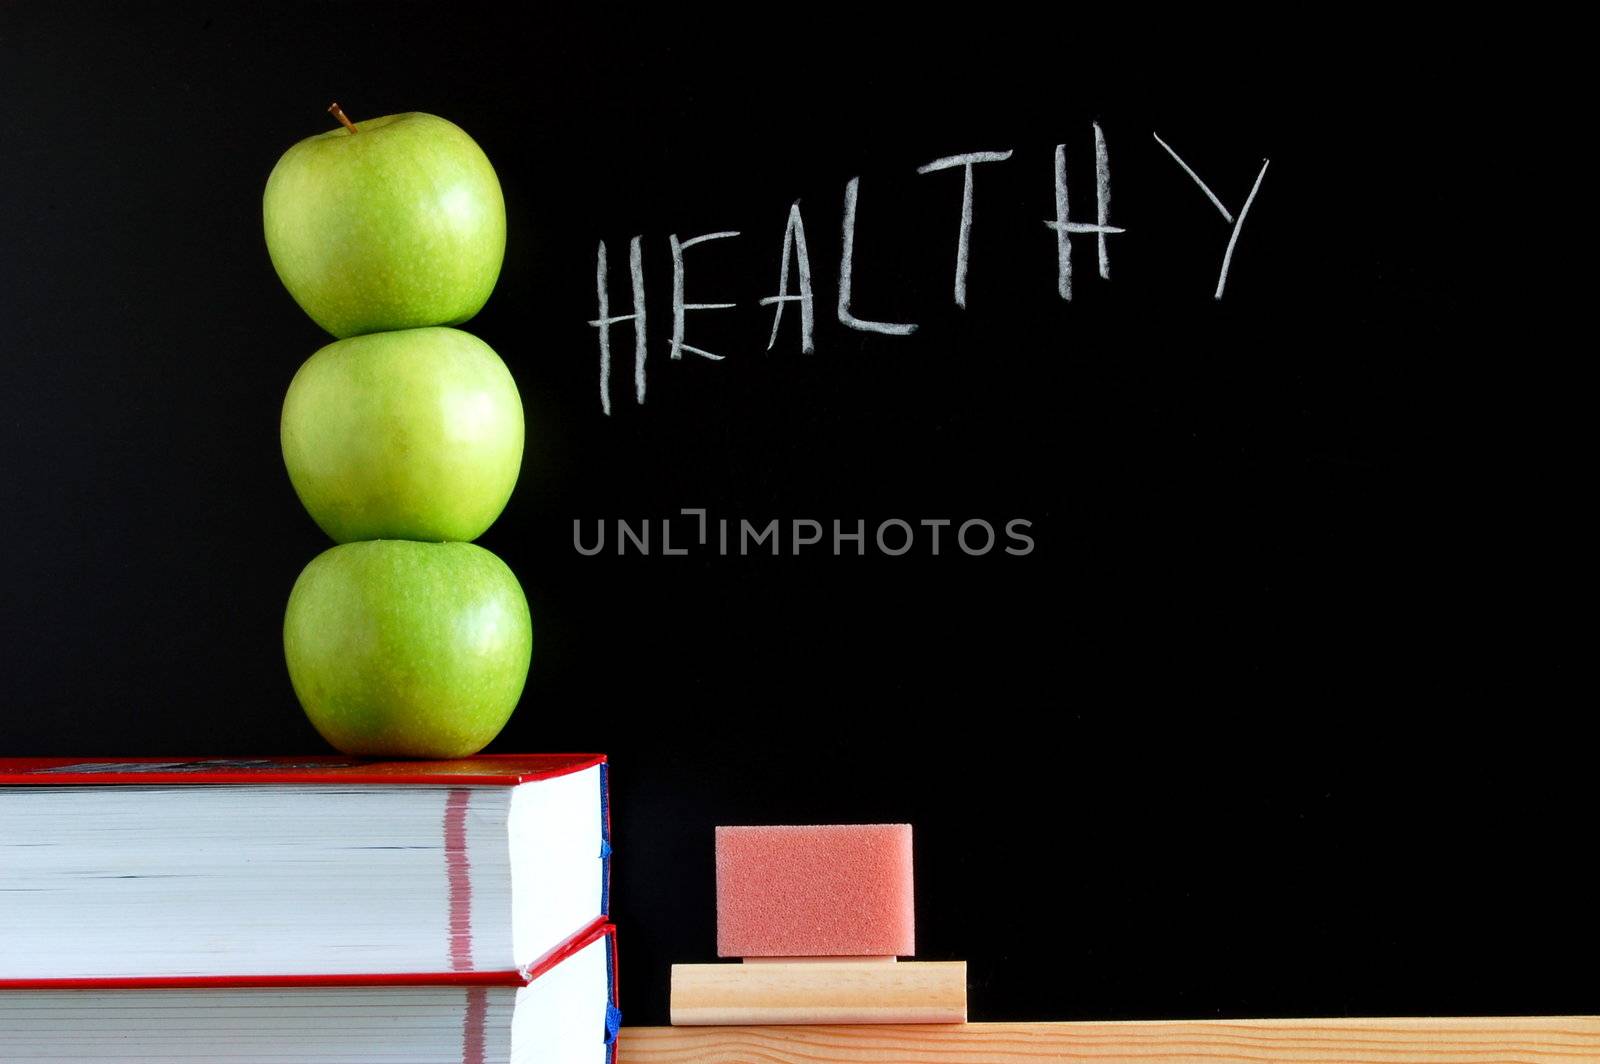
[605,842]
[613,1013]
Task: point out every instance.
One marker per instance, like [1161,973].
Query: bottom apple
[405,649]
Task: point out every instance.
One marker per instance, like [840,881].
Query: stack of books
[316,910]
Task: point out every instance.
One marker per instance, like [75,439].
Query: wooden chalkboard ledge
[1479,1040]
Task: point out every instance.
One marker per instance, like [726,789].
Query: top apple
[397,225]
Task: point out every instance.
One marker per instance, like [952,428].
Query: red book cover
[600,928]
[494,770]
[506,770]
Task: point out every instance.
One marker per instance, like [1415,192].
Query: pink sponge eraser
[837,890]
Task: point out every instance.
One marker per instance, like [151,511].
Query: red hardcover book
[561,1009]
[150,870]
[502,770]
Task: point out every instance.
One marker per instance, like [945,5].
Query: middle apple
[415,434]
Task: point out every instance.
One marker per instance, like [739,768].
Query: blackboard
[1204,747]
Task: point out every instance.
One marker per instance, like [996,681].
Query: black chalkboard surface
[1186,739]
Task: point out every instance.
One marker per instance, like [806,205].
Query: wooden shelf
[1528,1040]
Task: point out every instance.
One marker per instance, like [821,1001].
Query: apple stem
[338,112]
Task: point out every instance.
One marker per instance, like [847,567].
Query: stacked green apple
[403,439]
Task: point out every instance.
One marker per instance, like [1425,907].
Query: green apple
[402,649]
[415,434]
[398,224]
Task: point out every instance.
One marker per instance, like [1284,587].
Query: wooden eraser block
[819,991]
[837,890]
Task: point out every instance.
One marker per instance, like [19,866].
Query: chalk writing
[794,240]
[605,321]
[846,259]
[1237,223]
[678,305]
[1065,228]
[964,238]
[795,250]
